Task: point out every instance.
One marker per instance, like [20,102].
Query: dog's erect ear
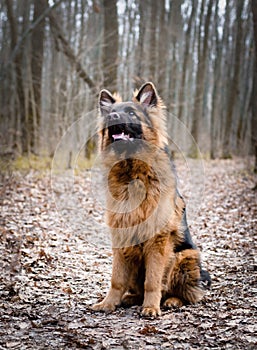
[106,100]
[147,95]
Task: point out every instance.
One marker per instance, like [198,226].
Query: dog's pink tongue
[120,137]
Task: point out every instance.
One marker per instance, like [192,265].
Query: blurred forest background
[55,56]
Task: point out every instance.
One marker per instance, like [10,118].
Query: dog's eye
[131,113]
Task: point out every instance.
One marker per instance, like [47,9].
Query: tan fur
[144,215]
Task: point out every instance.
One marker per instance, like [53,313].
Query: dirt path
[55,265]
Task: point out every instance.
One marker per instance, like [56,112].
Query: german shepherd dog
[154,259]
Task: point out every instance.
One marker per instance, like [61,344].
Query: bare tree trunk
[163,52]
[111,42]
[19,80]
[199,89]
[254,100]
[245,84]
[37,56]
[185,64]
[140,45]
[153,43]
[215,93]
[233,93]
[176,32]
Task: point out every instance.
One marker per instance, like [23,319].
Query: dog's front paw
[151,312]
[103,306]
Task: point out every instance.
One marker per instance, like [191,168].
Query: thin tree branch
[68,51]
[26,33]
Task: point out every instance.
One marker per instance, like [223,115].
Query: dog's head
[124,124]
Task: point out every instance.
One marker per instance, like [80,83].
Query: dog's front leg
[154,265]
[118,284]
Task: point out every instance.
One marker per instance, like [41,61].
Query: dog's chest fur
[140,198]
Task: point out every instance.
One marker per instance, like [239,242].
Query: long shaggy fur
[151,259]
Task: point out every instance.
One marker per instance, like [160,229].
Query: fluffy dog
[154,259]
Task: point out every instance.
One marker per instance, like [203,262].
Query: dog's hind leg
[185,279]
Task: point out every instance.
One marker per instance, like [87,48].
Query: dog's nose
[113,116]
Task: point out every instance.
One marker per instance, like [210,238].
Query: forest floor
[55,264]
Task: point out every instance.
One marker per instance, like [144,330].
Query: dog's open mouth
[121,132]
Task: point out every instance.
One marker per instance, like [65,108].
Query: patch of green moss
[25,163]
[83,163]
[44,163]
